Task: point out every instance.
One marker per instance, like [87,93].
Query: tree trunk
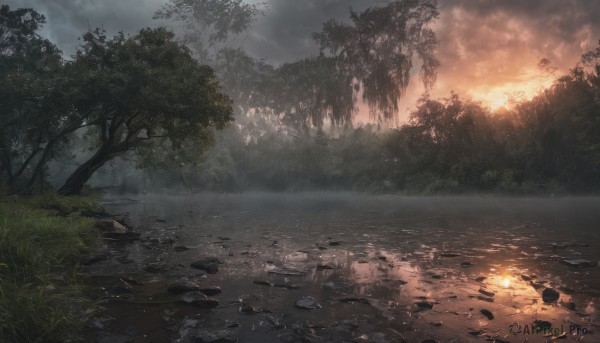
[76,181]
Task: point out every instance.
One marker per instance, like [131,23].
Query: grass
[40,297]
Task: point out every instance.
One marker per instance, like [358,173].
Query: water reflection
[422,270]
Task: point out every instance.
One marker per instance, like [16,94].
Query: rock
[95,259]
[580,263]
[527,277]
[287,286]
[355,300]
[247,309]
[323,267]
[486,293]
[550,295]
[224,238]
[206,336]
[110,225]
[200,300]
[383,258]
[208,264]
[466,264]
[571,306]
[182,287]
[481,279]
[308,303]
[180,248]
[424,304]
[483,298]
[122,236]
[287,271]
[262,283]
[449,254]
[211,290]
[335,243]
[487,313]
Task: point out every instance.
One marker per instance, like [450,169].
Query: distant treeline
[550,144]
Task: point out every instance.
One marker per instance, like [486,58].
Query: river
[376,269]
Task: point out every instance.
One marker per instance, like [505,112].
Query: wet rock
[287,271]
[287,286]
[550,295]
[95,259]
[123,287]
[424,304]
[352,300]
[570,305]
[557,246]
[322,248]
[480,279]
[449,254]
[528,277]
[182,287]
[486,293]
[200,300]
[579,263]
[466,264]
[323,267]
[180,248]
[484,298]
[208,264]
[125,236]
[383,258]
[438,324]
[247,309]
[110,225]
[206,336]
[211,290]
[487,313]
[224,238]
[335,243]
[308,303]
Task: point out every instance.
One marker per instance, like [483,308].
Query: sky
[489,49]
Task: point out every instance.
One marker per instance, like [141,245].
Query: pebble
[487,313]
[308,303]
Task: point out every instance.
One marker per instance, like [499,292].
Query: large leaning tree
[141,94]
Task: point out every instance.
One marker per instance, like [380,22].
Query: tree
[30,112]
[141,94]
[378,49]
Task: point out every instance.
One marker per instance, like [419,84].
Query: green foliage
[40,300]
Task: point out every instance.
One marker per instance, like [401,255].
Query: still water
[375,269]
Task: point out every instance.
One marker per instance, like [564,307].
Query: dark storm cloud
[486,46]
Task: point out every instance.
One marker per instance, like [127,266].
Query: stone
[287,271]
[110,225]
[335,243]
[208,264]
[486,293]
[182,287]
[580,263]
[199,300]
[323,267]
[308,303]
[180,248]
[466,264]
[550,295]
[211,290]
[487,313]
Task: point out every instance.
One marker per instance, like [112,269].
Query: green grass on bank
[40,247]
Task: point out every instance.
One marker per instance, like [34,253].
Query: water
[391,258]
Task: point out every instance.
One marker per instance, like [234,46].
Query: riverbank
[42,241]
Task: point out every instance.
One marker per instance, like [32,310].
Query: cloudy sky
[489,49]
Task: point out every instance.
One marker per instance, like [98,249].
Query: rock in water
[287,271]
[200,300]
[208,264]
[550,295]
[110,225]
[308,303]
[211,290]
[579,263]
[487,313]
[182,287]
